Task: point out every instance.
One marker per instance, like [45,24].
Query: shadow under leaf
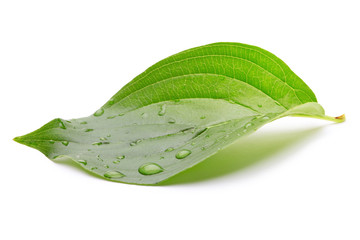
[245,152]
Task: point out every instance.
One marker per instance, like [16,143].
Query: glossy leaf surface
[178,112]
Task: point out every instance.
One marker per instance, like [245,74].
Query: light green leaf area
[179,112]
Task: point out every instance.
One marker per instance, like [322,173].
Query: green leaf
[179,112]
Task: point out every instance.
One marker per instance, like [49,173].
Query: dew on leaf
[99,112]
[162,110]
[182,154]
[83,162]
[169,149]
[150,169]
[113,174]
[171,121]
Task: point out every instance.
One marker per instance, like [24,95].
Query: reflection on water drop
[99,112]
[113,174]
[162,110]
[111,101]
[182,154]
[135,142]
[84,162]
[169,149]
[150,169]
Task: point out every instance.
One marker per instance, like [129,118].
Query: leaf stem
[338,119]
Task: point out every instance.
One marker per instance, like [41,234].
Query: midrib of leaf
[188,75]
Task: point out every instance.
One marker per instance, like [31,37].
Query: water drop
[144,115]
[135,142]
[121,157]
[176,100]
[121,114]
[97,143]
[99,112]
[248,125]
[150,169]
[65,143]
[84,162]
[84,122]
[161,158]
[277,103]
[111,102]
[162,110]
[193,144]
[61,124]
[109,135]
[51,141]
[182,154]
[113,174]
[89,130]
[116,161]
[203,148]
[265,118]
[111,117]
[169,149]
[106,166]
[171,121]
[259,105]
[93,168]
[103,138]
[202,117]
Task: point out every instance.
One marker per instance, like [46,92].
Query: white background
[293,179]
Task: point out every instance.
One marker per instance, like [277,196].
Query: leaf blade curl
[179,112]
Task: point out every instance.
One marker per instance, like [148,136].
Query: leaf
[179,112]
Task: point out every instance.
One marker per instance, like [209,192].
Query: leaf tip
[17,139]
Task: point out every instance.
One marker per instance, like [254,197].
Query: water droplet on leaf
[162,110]
[169,149]
[65,143]
[113,174]
[99,112]
[182,154]
[150,169]
[84,162]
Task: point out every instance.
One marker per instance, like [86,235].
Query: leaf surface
[179,112]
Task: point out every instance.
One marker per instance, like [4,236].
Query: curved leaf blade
[179,112]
